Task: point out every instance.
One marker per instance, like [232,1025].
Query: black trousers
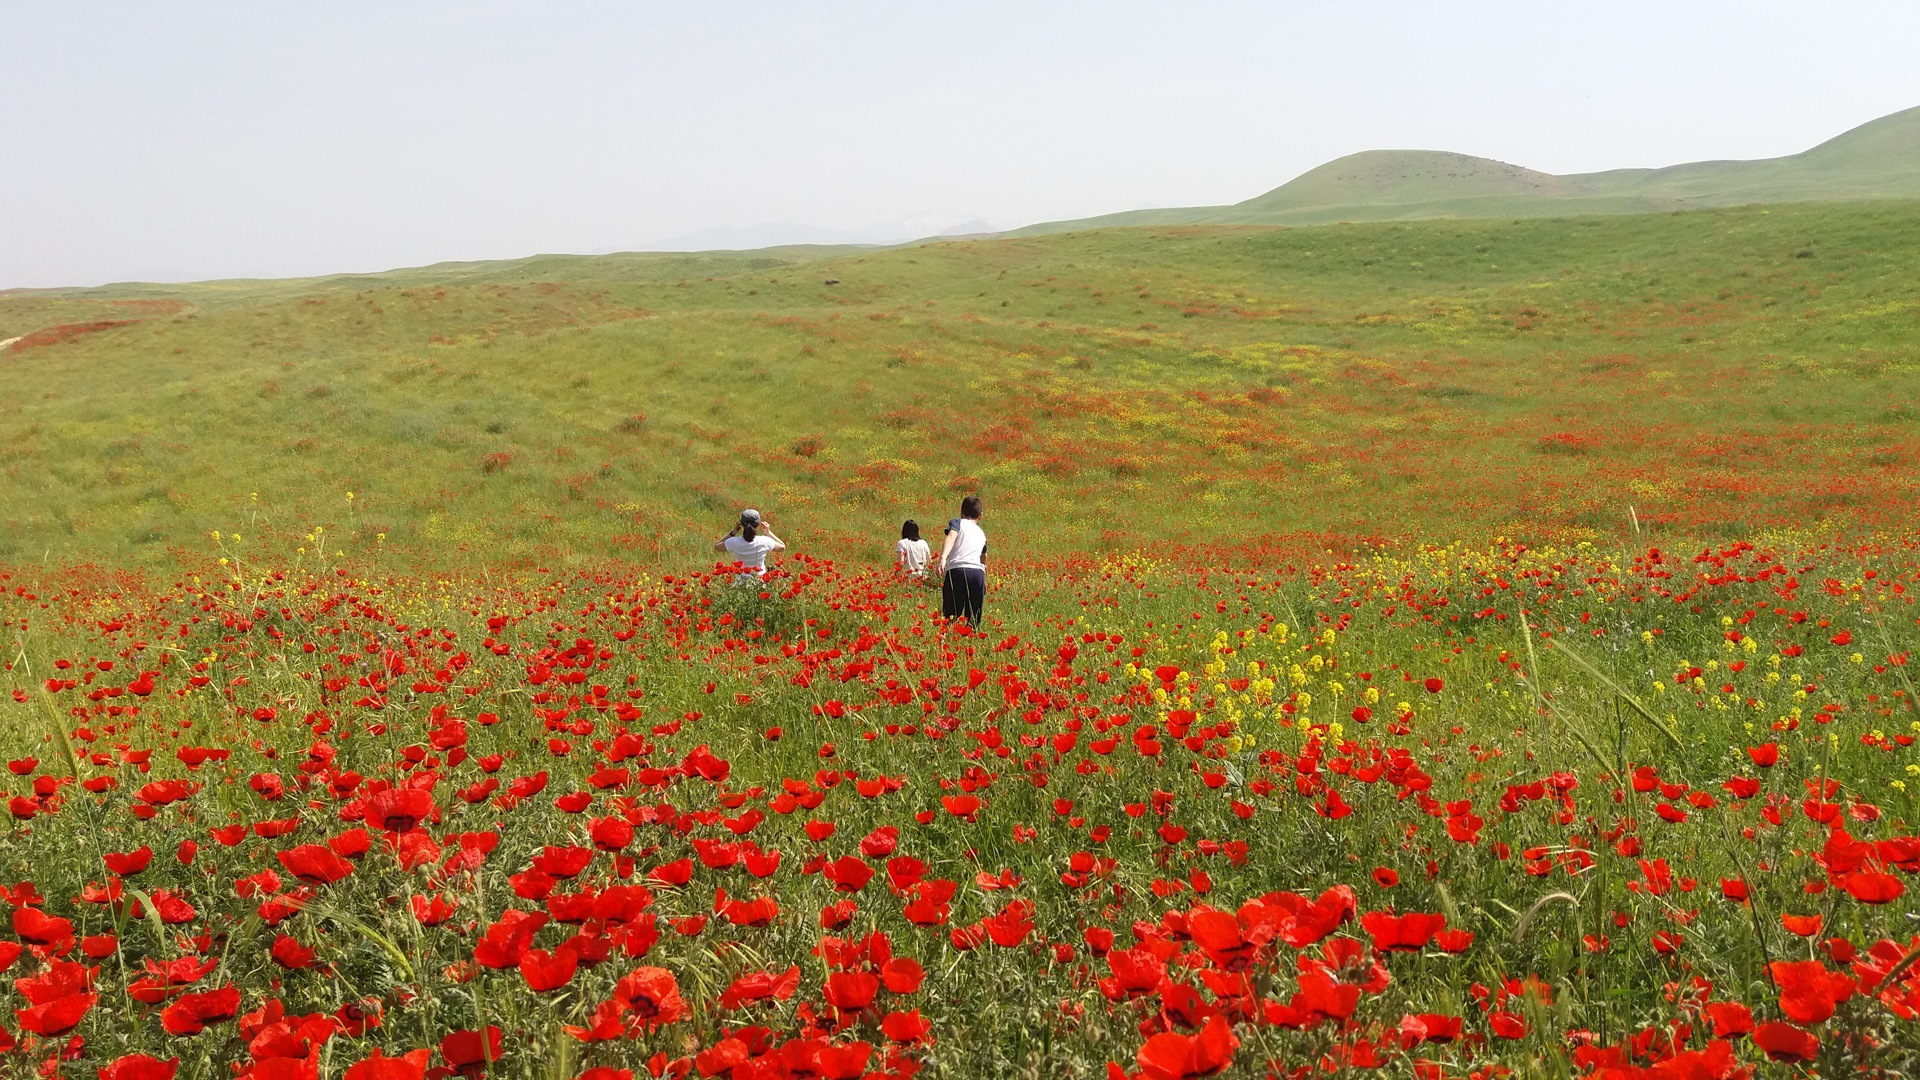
[963,592]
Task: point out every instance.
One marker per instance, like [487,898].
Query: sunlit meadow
[1444,650]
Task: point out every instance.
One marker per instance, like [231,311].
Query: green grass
[1722,372]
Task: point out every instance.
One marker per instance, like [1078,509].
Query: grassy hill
[1218,388]
[1877,160]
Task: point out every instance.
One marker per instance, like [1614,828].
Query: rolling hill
[1877,160]
[1247,391]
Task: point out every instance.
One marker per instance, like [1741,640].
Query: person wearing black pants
[963,565]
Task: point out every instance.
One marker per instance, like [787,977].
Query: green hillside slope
[1878,160]
[1220,388]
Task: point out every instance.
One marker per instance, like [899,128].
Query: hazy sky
[174,141]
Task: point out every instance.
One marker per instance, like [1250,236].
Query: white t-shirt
[969,546]
[912,556]
[751,553]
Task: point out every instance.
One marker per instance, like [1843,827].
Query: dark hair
[747,531]
[910,530]
[970,507]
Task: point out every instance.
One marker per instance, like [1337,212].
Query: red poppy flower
[1402,933]
[289,953]
[351,844]
[1729,1018]
[432,912]
[162,981]
[902,975]
[409,1066]
[837,914]
[191,1013]
[56,1017]
[1172,1056]
[1137,972]
[464,1049]
[1803,925]
[1011,925]
[1808,991]
[761,986]
[722,1057]
[1333,807]
[652,996]
[1873,887]
[757,912]
[315,864]
[610,833]
[547,971]
[847,874]
[1219,935]
[881,842]
[129,863]
[1783,1042]
[63,981]
[1506,1025]
[829,1061]
[30,924]
[907,1028]
[851,991]
[1428,1027]
[1320,995]
[506,941]
[163,792]
[565,862]
[672,874]
[139,1067]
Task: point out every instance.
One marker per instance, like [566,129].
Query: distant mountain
[1877,160]
[788,233]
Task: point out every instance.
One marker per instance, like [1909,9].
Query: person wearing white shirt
[750,542]
[963,565]
[911,554]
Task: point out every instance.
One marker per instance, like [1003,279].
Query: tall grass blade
[1587,666]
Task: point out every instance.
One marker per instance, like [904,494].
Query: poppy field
[1482,811]
[1439,650]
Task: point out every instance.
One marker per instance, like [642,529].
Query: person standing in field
[750,542]
[963,565]
[911,553]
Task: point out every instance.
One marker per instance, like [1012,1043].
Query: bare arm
[947,548]
[778,544]
[720,545]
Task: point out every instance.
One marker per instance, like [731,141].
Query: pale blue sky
[173,141]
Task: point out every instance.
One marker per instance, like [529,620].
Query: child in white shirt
[750,542]
[911,553]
